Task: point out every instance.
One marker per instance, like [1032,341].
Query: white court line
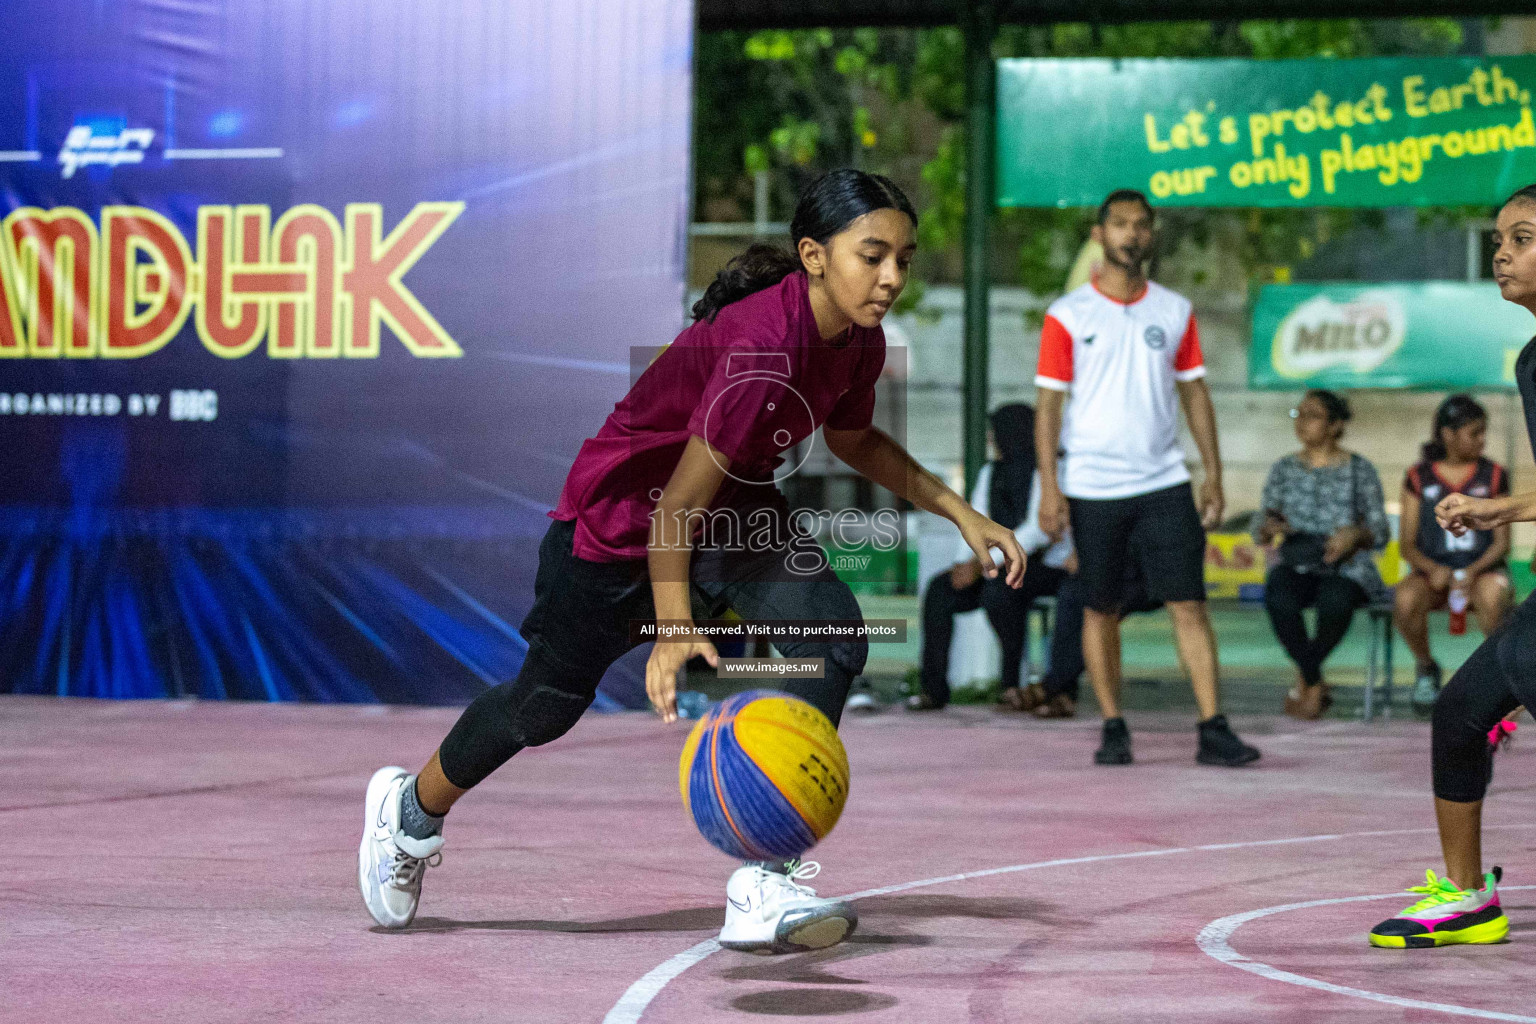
[19,155]
[1213,942]
[269,153]
[632,1004]
[1350,729]
[639,995]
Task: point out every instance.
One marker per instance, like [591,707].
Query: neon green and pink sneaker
[1446,915]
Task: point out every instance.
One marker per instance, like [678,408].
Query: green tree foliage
[794,102]
[892,100]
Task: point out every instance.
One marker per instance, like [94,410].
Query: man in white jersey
[1118,356]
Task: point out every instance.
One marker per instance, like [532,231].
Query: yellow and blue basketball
[764,776]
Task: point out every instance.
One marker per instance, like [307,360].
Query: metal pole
[980,29]
[760,204]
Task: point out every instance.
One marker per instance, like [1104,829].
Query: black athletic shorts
[1160,531]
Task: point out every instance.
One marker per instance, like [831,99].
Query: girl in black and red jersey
[1465,572]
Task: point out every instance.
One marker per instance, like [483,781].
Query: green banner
[1391,131]
[1443,335]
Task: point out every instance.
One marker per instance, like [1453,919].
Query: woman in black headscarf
[1003,488]
[1013,471]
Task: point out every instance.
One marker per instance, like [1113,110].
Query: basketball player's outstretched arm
[1440,575]
[875,455]
[669,553]
[1460,513]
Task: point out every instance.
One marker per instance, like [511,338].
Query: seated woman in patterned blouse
[1325,505]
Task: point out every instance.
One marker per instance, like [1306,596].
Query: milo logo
[1322,334]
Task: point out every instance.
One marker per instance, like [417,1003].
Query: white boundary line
[639,995]
[1213,942]
[19,155]
[632,1004]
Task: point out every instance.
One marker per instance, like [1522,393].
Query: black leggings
[1498,677]
[1287,592]
[580,624]
[1007,611]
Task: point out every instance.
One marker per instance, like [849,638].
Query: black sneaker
[1220,745]
[1116,748]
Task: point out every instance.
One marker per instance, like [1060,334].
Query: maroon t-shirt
[754,384]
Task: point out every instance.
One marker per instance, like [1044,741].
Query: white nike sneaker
[389,862]
[767,912]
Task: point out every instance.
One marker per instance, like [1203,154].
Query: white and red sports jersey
[1119,361]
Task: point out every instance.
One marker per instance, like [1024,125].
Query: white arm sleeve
[1031,537]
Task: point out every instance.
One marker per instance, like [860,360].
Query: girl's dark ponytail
[834,200]
[1453,414]
[761,266]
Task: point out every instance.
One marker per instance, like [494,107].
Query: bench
[1378,666]
[1379,673]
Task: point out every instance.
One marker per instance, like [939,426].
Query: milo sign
[1436,334]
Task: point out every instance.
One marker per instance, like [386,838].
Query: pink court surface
[195,862]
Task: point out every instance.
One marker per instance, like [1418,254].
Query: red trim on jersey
[1055,351]
[1434,467]
[1415,485]
[1145,287]
[1189,356]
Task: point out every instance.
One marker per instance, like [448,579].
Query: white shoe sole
[367,883]
[802,930]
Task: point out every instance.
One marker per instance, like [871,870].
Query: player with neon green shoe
[1499,676]
[1447,915]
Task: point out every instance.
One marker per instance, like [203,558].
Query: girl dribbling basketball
[671,513]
